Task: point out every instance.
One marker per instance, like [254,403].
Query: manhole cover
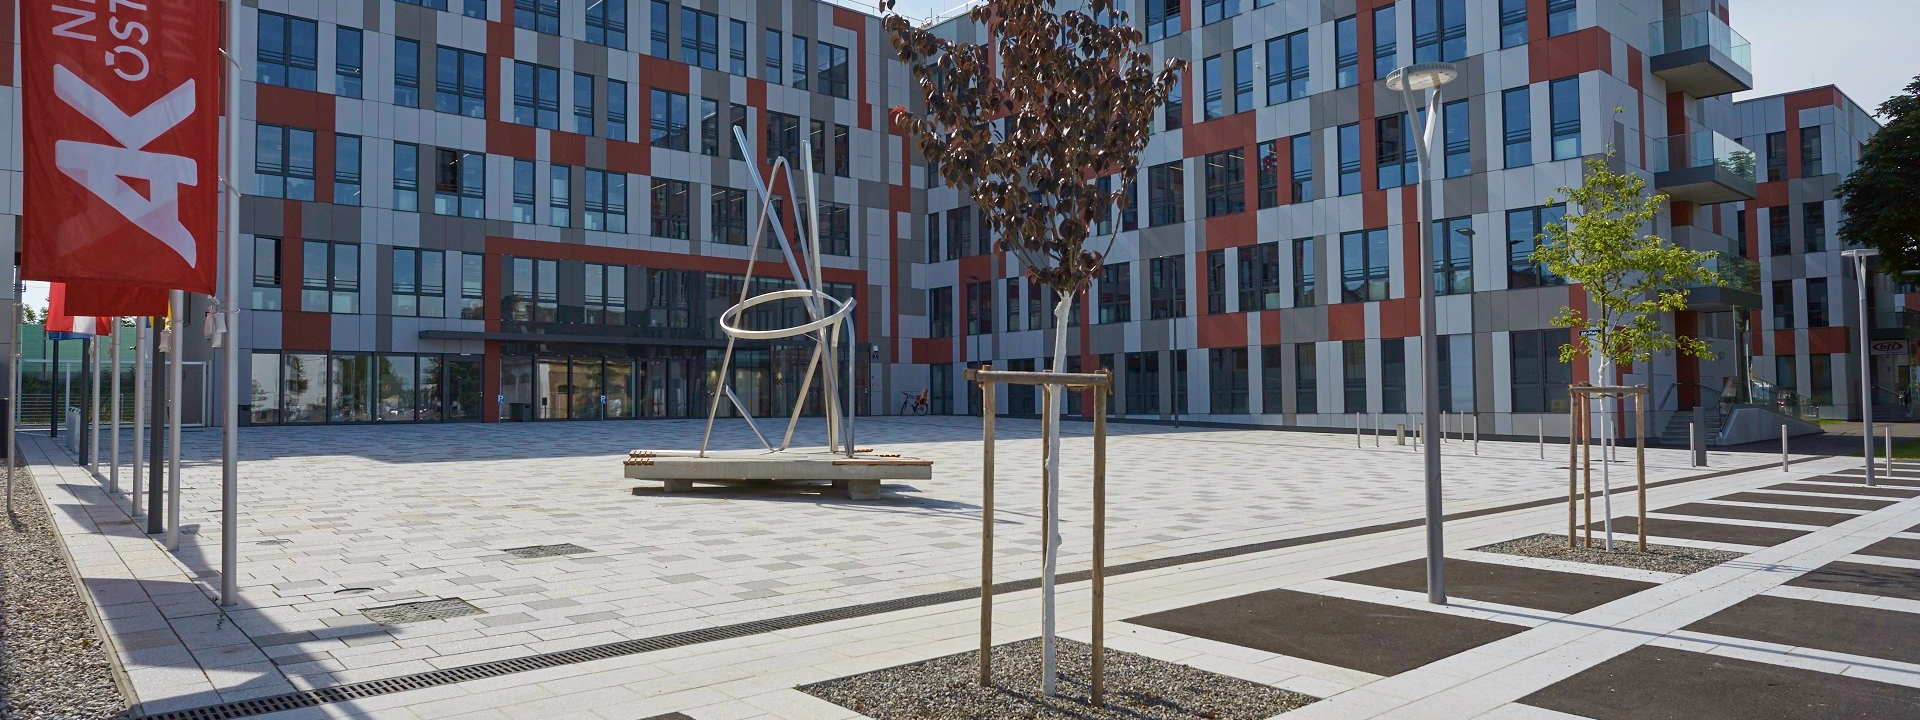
[540,551]
[421,611]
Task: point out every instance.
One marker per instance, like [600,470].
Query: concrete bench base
[856,478]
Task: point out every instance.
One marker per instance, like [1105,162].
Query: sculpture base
[857,478]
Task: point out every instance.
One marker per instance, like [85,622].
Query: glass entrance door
[554,395]
[587,390]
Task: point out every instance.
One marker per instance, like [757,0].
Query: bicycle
[913,404]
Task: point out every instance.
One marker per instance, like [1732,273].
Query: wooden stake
[1100,541]
[986,536]
[1048,419]
[1640,458]
[1586,461]
[1573,469]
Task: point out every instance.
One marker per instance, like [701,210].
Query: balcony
[1739,291]
[1897,324]
[1700,55]
[1702,167]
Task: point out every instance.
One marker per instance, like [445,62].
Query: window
[435,4]
[940,389]
[406,177]
[1810,163]
[1516,112]
[1302,158]
[1143,383]
[959,232]
[770,55]
[737,47]
[659,16]
[1740,231]
[1272,378]
[536,96]
[1259,277]
[933,238]
[1820,375]
[606,201]
[1526,230]
[940,312]
[606,294]
[1167,190]
[1363,265]
[1013,304]
[419,283]
[1116,293]
[1813,225]
[709,127]
[346,169]
[1453,256]
[1817,302]
[1227,387]
[460,82]
[287,51]
[669,120]
[1216,281]
[1782,304]
[1306,371]
[1439,30]
[559,196]
[1226,183]
[1786,371]
[737,117]
[1163,19]
[699,38]
[1036,305]
[1560,18]
[583,103]
[979,308]
[1167,287]
[537,15]
[1353,366]
[1267,170]
[1393,375]
[330,278]
[842,151]
[1213,11]
[523,171]
[283,162]
[1212,82]
[473,268]
[1455,371]
[406,73]
[1303,273]
[607,23]
[1175,110]
[1287,68]
[1179,380]
[799,73]
[535,293]
[1539,379]
[783,138]
[836,229]
[1346,52]
[1349,159]
[1130,215]
[817,144]
[1564,95]
[1385,38]
[1243,79]
[729,215]
[460,183]
[1394,153]
[266,274]
[670,208]
[832,68]
[1776,157]
[1513,23]
[616,110]
[1457,126]
[347,52]
[1779,237]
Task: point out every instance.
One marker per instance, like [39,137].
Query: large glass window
[1783,315]
[607,23]
[1364,266]
[1227,382]
[536,95]
[537,15]
[606,294]
[1226,183]
[1455,372]
[1287,67]
[1779,234]
[737,47]
[1526,230]
[1259,277]
[1513,23]
[287,51]
[1213,11]
[669,120]
[1216,281]
[842,151]
[1560,16]
[283,162]
[659,18]
[1163,19]
[699,38]
[560,196]
[1539,379]
[1211,101]
[1167,287]
[979,308]
[406,177]
[472,286]
[583,103]
[460,82]
[836,229]
[330,277]
[799,70]
[709,126]
[406,72]
[1813,226]
[1243,79]
[783,138]
[1456,119]
[346,169]
[1439,30]
[1395,159]
[670,208]
[1565,99]
[460,183]
[1142,379]
[1116,293]
[419,283]
[263,388]
[770,43]
[1393,375]
[832,69]
[1817,303]
[1385,42]
[1810,162]
[1349,136]
[1820,376]
[606,201]
[523,191]
[1346,52]
[266,274]
[1173,113]
[1306,379]
[729,215]
[347,61]
[1301,156]
[1353,366]
[1167,190]
[1304,272]
[1516,112]
[1267,170]
[350,388]
[1453,256]
[303,387]
[940,312]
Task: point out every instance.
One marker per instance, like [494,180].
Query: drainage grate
[543,551]
[421,611]
[498,668]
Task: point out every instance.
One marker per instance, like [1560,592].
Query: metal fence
[44,387]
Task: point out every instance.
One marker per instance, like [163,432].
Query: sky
[1863,46]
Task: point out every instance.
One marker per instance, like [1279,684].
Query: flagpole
[177,311]
[230,341]
[113,475]
[139,411]
[93,405]
[13,389]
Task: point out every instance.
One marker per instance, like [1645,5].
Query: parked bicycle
[914,404]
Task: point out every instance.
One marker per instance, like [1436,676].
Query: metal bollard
[1887,432]
[1399,433]
[1540,426]
[1476,434]
[1376,429]
[1419,434]
[1356,432]
[1784,462]
[1693,441]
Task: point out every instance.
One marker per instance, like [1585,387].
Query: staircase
[1675,433]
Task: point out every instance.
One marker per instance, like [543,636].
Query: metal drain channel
[497,668]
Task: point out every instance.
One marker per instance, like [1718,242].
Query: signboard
[1888,347]
[121,115]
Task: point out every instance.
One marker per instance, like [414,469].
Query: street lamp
[1411,81]
[1860,257]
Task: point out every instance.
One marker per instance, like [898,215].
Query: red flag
[60,319]
[122,118]
[115,300]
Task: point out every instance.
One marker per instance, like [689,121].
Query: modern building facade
[503,210]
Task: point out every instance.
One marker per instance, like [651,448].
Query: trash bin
[73,430]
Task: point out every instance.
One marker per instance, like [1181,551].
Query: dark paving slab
[1552,590]
[1863,578]
[1364,636]
[1878,479]
[1845,503]
[1628,528]
[1860,489]
[1653,683]
[1904,548]
[1872,632]
[670,716]
[1737,512]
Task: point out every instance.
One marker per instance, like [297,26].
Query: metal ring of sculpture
[727,317]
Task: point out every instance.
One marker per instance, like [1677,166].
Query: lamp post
[1411,81]
[1860,257]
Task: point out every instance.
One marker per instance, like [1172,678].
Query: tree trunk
[1062,311]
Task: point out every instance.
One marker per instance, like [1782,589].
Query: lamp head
[1422,76]
[1859,253]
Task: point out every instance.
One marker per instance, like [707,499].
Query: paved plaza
[341,523]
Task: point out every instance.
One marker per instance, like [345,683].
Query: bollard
[1443,426]
[1784,462]
[1418,435]
[1540,426]
[1376,429]
[1356,431]
[1693,442]
[1476,434]
[1399,433]
[1887,432]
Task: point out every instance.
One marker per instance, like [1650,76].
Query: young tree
[1881,198]
[1027,125]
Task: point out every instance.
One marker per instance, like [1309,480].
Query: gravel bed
[1664,558]
[1137,687]
[52,663]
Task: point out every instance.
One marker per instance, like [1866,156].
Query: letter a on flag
[122,117]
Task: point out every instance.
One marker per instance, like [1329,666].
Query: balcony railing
[1687,32]
[1702,167]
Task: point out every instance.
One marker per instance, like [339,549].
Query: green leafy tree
[1631,278]
[1881,199]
